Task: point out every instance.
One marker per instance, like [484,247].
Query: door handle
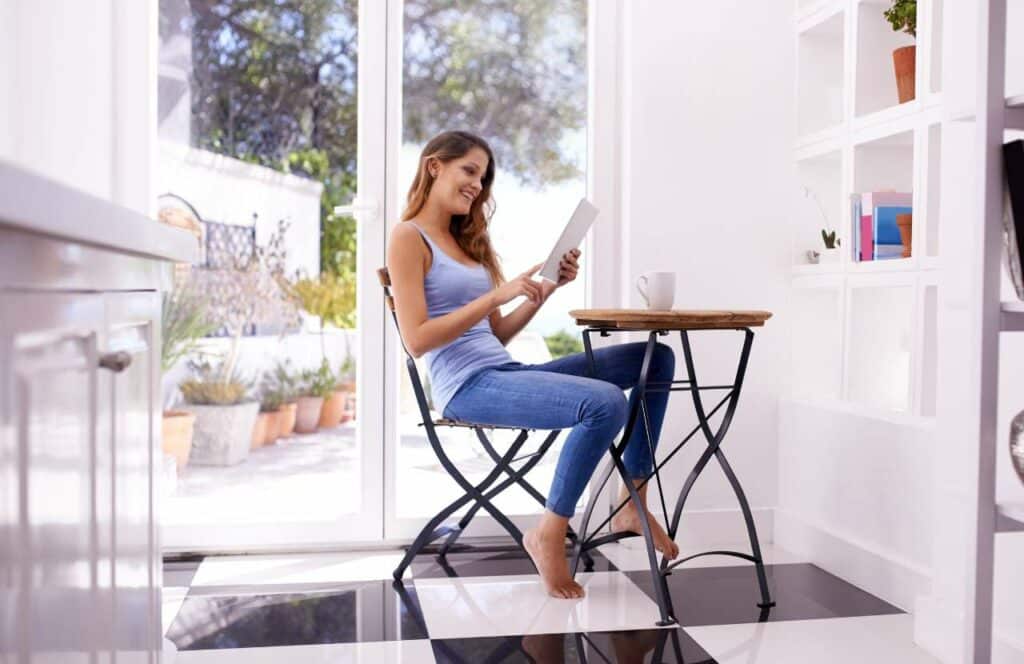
[117,361]
[358,206]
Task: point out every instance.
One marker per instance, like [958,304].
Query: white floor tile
[505,605]
[631,555]
[399,652]
[286,570]
[835,640]
[171,601]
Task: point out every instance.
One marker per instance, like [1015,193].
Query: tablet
[571,237]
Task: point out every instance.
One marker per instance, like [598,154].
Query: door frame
[604,188]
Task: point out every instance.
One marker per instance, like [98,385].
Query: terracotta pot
[905,222]
[263,430]
[350,407]
[307,415]
[176,436]
[286,420]
[904,60]
[334,407]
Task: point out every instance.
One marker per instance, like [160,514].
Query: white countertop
[36,204]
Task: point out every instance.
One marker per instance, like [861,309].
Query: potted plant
[830,254]
[347,384]
[902,16]
[184,321]
[265,430]
[316,386]
[284,381]
[225,416]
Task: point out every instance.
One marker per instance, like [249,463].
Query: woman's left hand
[567,271]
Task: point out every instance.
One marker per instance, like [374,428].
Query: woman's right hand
[521,285]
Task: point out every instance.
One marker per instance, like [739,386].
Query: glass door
[515,73]
[272,150]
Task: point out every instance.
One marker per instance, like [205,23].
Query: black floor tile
[179,573]
[348,613]
[676,647]
[505,563]
[729,595]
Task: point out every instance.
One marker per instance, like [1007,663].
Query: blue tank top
[448,286]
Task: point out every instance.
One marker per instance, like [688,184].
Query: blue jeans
[557,395]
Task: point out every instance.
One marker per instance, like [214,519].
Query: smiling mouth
[468,196]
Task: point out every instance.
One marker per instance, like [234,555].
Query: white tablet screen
[571,237]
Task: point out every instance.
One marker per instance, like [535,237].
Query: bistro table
[661,323]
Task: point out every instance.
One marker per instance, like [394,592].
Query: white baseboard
[940,630]
[897,581]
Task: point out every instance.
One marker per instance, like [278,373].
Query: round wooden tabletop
[670,319]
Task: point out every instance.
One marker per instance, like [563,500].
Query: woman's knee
[604,402]
[663,361]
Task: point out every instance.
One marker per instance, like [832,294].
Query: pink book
[869,202]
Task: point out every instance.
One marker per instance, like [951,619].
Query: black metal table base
[659,571]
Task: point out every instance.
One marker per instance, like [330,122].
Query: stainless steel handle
[117,361]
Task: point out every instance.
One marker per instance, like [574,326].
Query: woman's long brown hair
[469,230]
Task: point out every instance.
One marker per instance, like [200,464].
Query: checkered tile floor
[486,606]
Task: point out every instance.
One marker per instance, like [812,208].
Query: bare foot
[627,520]
[548,554]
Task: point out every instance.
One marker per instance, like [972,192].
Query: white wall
[78,84]
[230,191]
[708,119]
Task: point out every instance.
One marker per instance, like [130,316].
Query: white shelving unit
[873,321]
[999,109]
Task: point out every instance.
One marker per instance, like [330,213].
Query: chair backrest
[410,362]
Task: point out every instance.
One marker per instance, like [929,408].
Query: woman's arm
[406,255]
[507,327]
[406,265]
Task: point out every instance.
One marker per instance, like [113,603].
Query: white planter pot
[223,434]
[829,256]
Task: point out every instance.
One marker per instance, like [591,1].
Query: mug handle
[643,294]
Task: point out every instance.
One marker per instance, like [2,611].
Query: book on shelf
[1013,212]
[867,208]
[886,234]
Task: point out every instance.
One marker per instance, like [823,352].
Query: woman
[448,287]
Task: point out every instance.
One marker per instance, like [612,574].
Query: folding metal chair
[481,494]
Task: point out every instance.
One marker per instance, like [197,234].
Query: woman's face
[459,182]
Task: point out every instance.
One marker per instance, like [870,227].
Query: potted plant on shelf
[265,430]
[902,16]
[317,385]
[830,254]
[184,321]
[225,416]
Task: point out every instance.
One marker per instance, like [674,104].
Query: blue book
[886,232]
[855,200]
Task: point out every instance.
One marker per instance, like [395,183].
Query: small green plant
[346,372]
[210,386]
[830,239]
[284,380]
[319,382]
[270,400]
[185,321]
[902,16]
[563,343]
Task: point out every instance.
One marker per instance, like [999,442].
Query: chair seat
[445,422]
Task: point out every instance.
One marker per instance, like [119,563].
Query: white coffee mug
[658,289]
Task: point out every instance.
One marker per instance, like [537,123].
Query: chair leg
[428,534]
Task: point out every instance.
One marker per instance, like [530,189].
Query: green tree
[274,83]
[563,343]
